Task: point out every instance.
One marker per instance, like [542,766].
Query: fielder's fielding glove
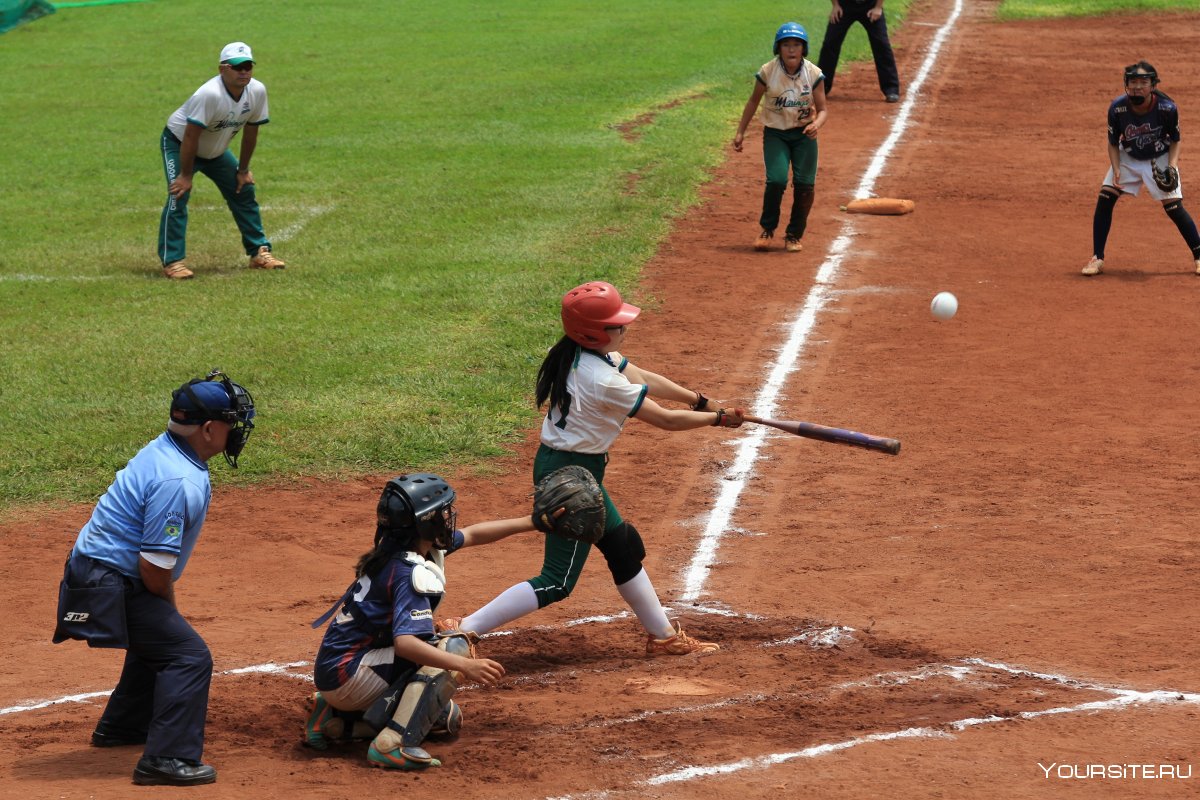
[568,503]
[1166,178]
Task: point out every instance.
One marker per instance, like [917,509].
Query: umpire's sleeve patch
[173,525]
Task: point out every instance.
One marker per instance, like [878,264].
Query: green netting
[16,12]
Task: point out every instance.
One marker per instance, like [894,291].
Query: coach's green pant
[222,170]
[564,558]
[782,149]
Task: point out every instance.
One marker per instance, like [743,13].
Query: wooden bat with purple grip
[811,430]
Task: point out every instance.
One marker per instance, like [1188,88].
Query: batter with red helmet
[590,390]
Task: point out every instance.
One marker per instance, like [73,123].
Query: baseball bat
[810,430]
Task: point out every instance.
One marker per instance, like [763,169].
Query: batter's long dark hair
[552,375]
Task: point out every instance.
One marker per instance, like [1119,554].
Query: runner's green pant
[222,170]
[564,558]
[782,149]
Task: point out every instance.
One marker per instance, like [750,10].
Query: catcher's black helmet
[417,506]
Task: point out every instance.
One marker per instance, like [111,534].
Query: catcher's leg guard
[424,700]
[449,722]
[1102,220]
[1186,225]
[623,549]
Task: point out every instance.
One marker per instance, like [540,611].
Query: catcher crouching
[382,672]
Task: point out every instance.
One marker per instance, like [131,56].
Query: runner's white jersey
[221,115]
[787,101]
[601,398]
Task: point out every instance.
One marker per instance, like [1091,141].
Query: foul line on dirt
[732,483]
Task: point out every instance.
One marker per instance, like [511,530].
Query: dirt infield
[1007,604]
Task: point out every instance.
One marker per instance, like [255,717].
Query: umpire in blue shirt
[118,584]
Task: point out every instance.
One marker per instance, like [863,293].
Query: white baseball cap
[236,53]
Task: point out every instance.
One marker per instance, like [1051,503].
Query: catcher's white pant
[1136,173]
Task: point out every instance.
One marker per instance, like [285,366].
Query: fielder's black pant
[163,690]
[877,35]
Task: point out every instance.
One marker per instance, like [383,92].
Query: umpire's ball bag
[91,604]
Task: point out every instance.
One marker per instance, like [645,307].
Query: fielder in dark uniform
[869,14]
[1143,136]
[382,673]
[118,584]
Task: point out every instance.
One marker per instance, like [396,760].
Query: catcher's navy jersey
[1143,136]
[380,607]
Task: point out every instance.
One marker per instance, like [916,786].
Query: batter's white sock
[513,603]
[640,595]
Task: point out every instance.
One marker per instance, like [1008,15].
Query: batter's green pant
[564,558]
[782,149]
[222,170]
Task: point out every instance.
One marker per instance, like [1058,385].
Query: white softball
[944,305]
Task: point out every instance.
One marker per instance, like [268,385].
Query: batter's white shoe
[1095,266]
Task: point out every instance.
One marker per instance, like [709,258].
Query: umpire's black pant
[877,35]
[163,690]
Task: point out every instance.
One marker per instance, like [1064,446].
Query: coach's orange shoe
[265,259]
[678,645]
[177,271]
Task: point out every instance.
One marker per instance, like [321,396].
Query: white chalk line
[731,484]
[306,215]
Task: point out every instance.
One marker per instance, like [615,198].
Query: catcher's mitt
[1167,178]
[568,502]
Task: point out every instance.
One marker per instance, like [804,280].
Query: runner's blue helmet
[791,30]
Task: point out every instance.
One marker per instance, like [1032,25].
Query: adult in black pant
[869,13]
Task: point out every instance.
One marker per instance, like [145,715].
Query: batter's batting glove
[730,417]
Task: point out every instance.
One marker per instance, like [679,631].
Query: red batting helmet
[588,309]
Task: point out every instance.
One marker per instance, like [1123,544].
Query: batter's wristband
[720,416]
[701,402]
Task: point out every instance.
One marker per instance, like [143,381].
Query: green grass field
[1028,9]
[437,174]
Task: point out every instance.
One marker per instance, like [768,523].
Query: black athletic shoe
[892,97]
[101,739]
[158,771]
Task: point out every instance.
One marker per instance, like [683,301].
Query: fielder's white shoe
[1094,267]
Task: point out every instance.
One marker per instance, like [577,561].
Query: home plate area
[583,700]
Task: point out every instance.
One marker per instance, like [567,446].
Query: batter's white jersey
[601,399]
[220,114]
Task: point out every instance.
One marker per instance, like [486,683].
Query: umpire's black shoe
[102,739]
[892,97]
[158,771]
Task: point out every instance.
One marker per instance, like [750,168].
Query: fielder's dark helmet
[1141,69]
[416,506]
[216,398]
